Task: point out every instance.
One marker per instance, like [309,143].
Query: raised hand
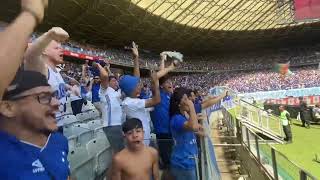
[35,7]
[58,34]
[134,49]
[163,56]
[153,75]
[107,63]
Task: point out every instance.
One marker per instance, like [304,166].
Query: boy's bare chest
[141,164]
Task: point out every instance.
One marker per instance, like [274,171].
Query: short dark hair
[112,77]
[189,91]
[163,79]
[130,124]
[195,91]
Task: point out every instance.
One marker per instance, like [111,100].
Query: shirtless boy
[136,161]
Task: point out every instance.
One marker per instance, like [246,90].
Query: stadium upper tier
[188,26]
[226,15]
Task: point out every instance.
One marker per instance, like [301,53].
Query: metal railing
[276,165]
[260,120]
[209,166]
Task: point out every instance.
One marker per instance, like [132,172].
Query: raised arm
[164,70]
[15,37]
[212,100]
[163,57]
[33,60]
[192,123]
[103,76]
[155,91]
[84,73]
[135,54]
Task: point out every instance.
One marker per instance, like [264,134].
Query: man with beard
[30,147]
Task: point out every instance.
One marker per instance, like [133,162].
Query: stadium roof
[190,26]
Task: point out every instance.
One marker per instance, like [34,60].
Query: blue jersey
[197,104]
[24,161]
[95,92]
[160,115]
[185,144]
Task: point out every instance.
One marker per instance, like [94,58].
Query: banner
[294,101]
[81,56]
[307,9]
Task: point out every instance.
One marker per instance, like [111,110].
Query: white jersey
[58,85]
[110,99]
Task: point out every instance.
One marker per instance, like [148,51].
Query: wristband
[33,14]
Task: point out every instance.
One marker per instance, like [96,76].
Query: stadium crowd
[246,61]
[240,81]
[35,94]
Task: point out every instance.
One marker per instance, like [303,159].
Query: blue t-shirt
[144,94]
[197,105]
[95,92]
[24,161]
[185,144]
[160,115]
[94,71]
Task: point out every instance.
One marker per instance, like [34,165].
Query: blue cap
[128,83]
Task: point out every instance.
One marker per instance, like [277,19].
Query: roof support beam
[237,20]
[240,2]
[201,14]
[244,14]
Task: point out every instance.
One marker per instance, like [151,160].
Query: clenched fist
[35,7]
[58,34]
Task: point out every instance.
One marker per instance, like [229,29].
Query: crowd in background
[36,86]
[245,61]
[249,61]
[240,81]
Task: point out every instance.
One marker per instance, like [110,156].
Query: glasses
[44,98]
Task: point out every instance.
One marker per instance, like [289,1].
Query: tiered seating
[100,149]
[81,164]
[89,149]
[87,116]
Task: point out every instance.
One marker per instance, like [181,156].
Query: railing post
[274,164]
[303,175]
[257,147]
[248,140]
[280,127]
[268,119]
[260,118]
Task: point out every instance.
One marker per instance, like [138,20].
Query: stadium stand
[236,27]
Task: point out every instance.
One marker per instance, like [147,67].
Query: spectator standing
[161,118]
[95,97]
[286,121]
[184,124]
[43,56]
[75,97]
[110,96]
[304,113]
[132,105]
